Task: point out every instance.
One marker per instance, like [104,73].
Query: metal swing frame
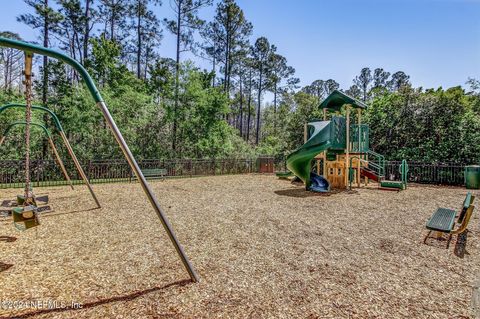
[66,142]
[31,49]
[50,142]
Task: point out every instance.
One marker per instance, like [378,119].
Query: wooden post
[359,122]
[305,133]
[358,172]
[325,152]
[359,132]
[347,150]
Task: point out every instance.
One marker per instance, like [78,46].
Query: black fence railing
[428,173]
[48,173]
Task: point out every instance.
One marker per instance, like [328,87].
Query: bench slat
[154,172]
[467,201]
[442,220]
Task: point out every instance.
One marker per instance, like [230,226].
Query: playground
[262,246]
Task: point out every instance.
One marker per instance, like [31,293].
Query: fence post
[36,165]
[89,168]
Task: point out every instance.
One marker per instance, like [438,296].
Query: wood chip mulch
[264,248]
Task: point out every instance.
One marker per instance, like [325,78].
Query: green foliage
[435,125]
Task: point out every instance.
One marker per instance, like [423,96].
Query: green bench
[443,220]
[152,173]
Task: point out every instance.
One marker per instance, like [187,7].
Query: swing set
[50,142]
[28,213]
[64,138]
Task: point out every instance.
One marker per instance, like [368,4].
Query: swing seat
[24,217]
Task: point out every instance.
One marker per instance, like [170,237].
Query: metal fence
[428,173]
[47,172]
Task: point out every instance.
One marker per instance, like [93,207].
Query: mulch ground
[264,248]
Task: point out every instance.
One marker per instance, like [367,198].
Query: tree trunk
[241,108]
[139,40]
[214,65]
[147,57]
[260,79]
[249,116]
[112,23]
[275,109]
[225,75]
[177,76]
[7,69]
[86,36]
[46,28]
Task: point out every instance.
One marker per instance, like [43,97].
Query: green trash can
[472,176]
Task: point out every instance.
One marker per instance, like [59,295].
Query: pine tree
[186,22]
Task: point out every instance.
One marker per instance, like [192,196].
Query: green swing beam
[50,141]
[59,127]
[31,48]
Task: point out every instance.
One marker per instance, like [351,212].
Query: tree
[380,78]
[104,64]
[260,52]
[354,91]
[113,14]
[398,80]
[11,62]
[71,28]
[363,82]
[278,70]
[474,85]
[249,65]
[183,27]
[210,48]
[317,89]
[229,31]
[46,20]
[330,86]
[88,27]
[147,29]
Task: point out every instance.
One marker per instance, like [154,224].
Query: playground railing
[47,173]
[376,162]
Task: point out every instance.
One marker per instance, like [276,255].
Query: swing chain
[28,118]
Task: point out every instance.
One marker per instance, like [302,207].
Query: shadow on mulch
[460,249]
[302,193]
[8,239]
[72,212]
[52,213]
[123,298]
[461,244]
[4,266]
[299,192]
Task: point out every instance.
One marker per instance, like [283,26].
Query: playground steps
[365,172]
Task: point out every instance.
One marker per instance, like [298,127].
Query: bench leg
[426,237]
[449,239]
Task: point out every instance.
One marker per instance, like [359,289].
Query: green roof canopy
[337,99]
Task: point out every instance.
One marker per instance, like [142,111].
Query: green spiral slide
[300,161]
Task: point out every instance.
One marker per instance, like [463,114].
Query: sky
[436,42]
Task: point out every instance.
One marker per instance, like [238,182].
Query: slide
[300,161]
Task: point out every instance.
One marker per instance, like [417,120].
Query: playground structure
[340,148]
[28,211]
